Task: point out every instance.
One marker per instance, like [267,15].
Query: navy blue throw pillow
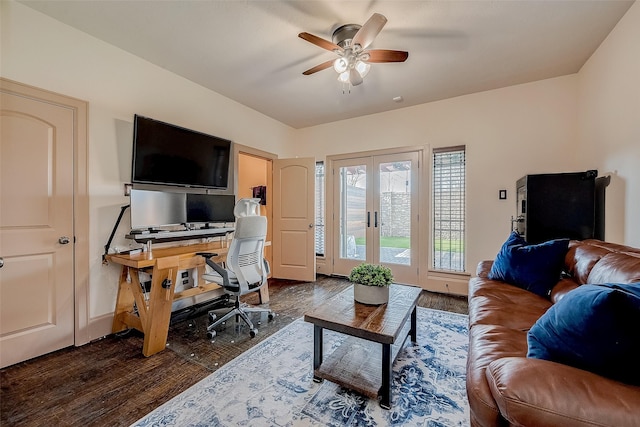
[535,268]
[595,328]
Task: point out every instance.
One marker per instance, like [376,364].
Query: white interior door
[293,219]
[36,228]
[376,214]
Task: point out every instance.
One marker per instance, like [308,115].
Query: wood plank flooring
[110,383]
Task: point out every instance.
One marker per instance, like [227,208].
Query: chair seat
[233,285]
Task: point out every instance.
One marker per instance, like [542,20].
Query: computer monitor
[210,208]
[151,209]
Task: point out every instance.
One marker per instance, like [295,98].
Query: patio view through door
[376,214]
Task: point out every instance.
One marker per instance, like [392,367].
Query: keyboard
[182,234]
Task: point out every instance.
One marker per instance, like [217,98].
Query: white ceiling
[249,50]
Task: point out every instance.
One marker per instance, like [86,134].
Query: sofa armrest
[483,269]
[543,393]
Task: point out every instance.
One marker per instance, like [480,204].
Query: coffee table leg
[414,324]
[385,390]
[317,351]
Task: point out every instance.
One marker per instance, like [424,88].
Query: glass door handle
[368,219]
[375,219]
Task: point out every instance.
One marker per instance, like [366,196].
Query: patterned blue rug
[272,384]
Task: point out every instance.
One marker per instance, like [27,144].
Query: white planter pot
[373,295]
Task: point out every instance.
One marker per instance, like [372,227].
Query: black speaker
[561,205]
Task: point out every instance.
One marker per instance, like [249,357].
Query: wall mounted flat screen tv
[172,155]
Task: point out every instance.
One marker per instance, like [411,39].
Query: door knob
[1,262]
[63,240]
[311,225]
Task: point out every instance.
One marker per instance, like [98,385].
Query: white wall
[45,53]
[609,124]
[508,133]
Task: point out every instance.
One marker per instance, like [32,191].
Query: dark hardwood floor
[110,383]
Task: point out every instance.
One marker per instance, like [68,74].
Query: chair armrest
[217,268]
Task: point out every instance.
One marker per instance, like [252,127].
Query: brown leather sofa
[505,388]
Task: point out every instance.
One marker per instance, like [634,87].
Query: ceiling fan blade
[384,55]
[325,44]
[365,35]
[320,67]
[354,77]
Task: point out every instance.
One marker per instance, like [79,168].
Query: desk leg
[317,351]
[160,301]
[124,302]
[264,294]
[385,390]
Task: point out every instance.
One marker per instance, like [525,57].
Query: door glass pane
[353,212]
[394,213]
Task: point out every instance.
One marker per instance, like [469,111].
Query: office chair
[246,270]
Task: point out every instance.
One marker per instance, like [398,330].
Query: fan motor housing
[343,35]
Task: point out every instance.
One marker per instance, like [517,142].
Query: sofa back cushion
[616,267]
[581,258]
[609,262]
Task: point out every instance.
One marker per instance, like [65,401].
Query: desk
[154,314]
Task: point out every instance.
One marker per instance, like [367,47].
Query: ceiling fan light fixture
[340,65]
[362,68]
[343,77]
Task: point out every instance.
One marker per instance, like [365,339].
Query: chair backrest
[245,256]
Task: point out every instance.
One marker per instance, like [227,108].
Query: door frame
[423,203]
[80,108]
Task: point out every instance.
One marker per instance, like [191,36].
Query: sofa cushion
[595,328]
[581,258]
[486,344]
[535,268]
[531,392]
[616,267]
[496,303]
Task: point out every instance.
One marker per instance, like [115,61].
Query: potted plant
[371,283]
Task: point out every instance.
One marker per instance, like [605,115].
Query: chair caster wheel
[271,316]
[253,332]
[211,334]
[212,317]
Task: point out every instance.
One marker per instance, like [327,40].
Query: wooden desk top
[144,259]
[378,323]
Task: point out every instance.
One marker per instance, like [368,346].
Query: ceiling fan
[350,43]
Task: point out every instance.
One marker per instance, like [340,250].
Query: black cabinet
[561,205]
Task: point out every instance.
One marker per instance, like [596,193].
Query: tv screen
[210,208]
[172,155]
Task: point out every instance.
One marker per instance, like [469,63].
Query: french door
[376,214]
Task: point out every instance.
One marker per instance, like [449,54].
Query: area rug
[272,384]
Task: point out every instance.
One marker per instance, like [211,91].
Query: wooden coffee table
[364,360]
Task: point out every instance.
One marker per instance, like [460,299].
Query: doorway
[376,212]
[289,208]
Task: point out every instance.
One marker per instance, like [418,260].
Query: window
[320,205]
[449,208]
